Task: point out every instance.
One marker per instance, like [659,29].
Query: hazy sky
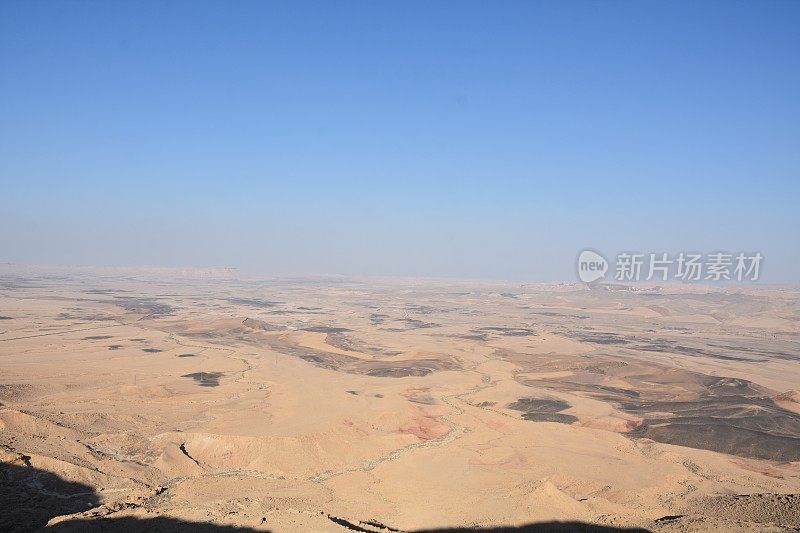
[471,139]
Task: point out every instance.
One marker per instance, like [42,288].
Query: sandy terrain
[153,403]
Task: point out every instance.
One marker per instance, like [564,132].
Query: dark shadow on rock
[169,525]
[373,526]
[159,524]
[29,497]
[541,527]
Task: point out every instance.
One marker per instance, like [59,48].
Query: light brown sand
[157,397]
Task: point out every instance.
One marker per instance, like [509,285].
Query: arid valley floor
[340,405]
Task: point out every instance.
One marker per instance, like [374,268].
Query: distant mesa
[205,379]
[256,324]
[543,410]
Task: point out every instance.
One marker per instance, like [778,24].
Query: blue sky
[465,139]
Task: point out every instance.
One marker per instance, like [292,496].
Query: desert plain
[201,402]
